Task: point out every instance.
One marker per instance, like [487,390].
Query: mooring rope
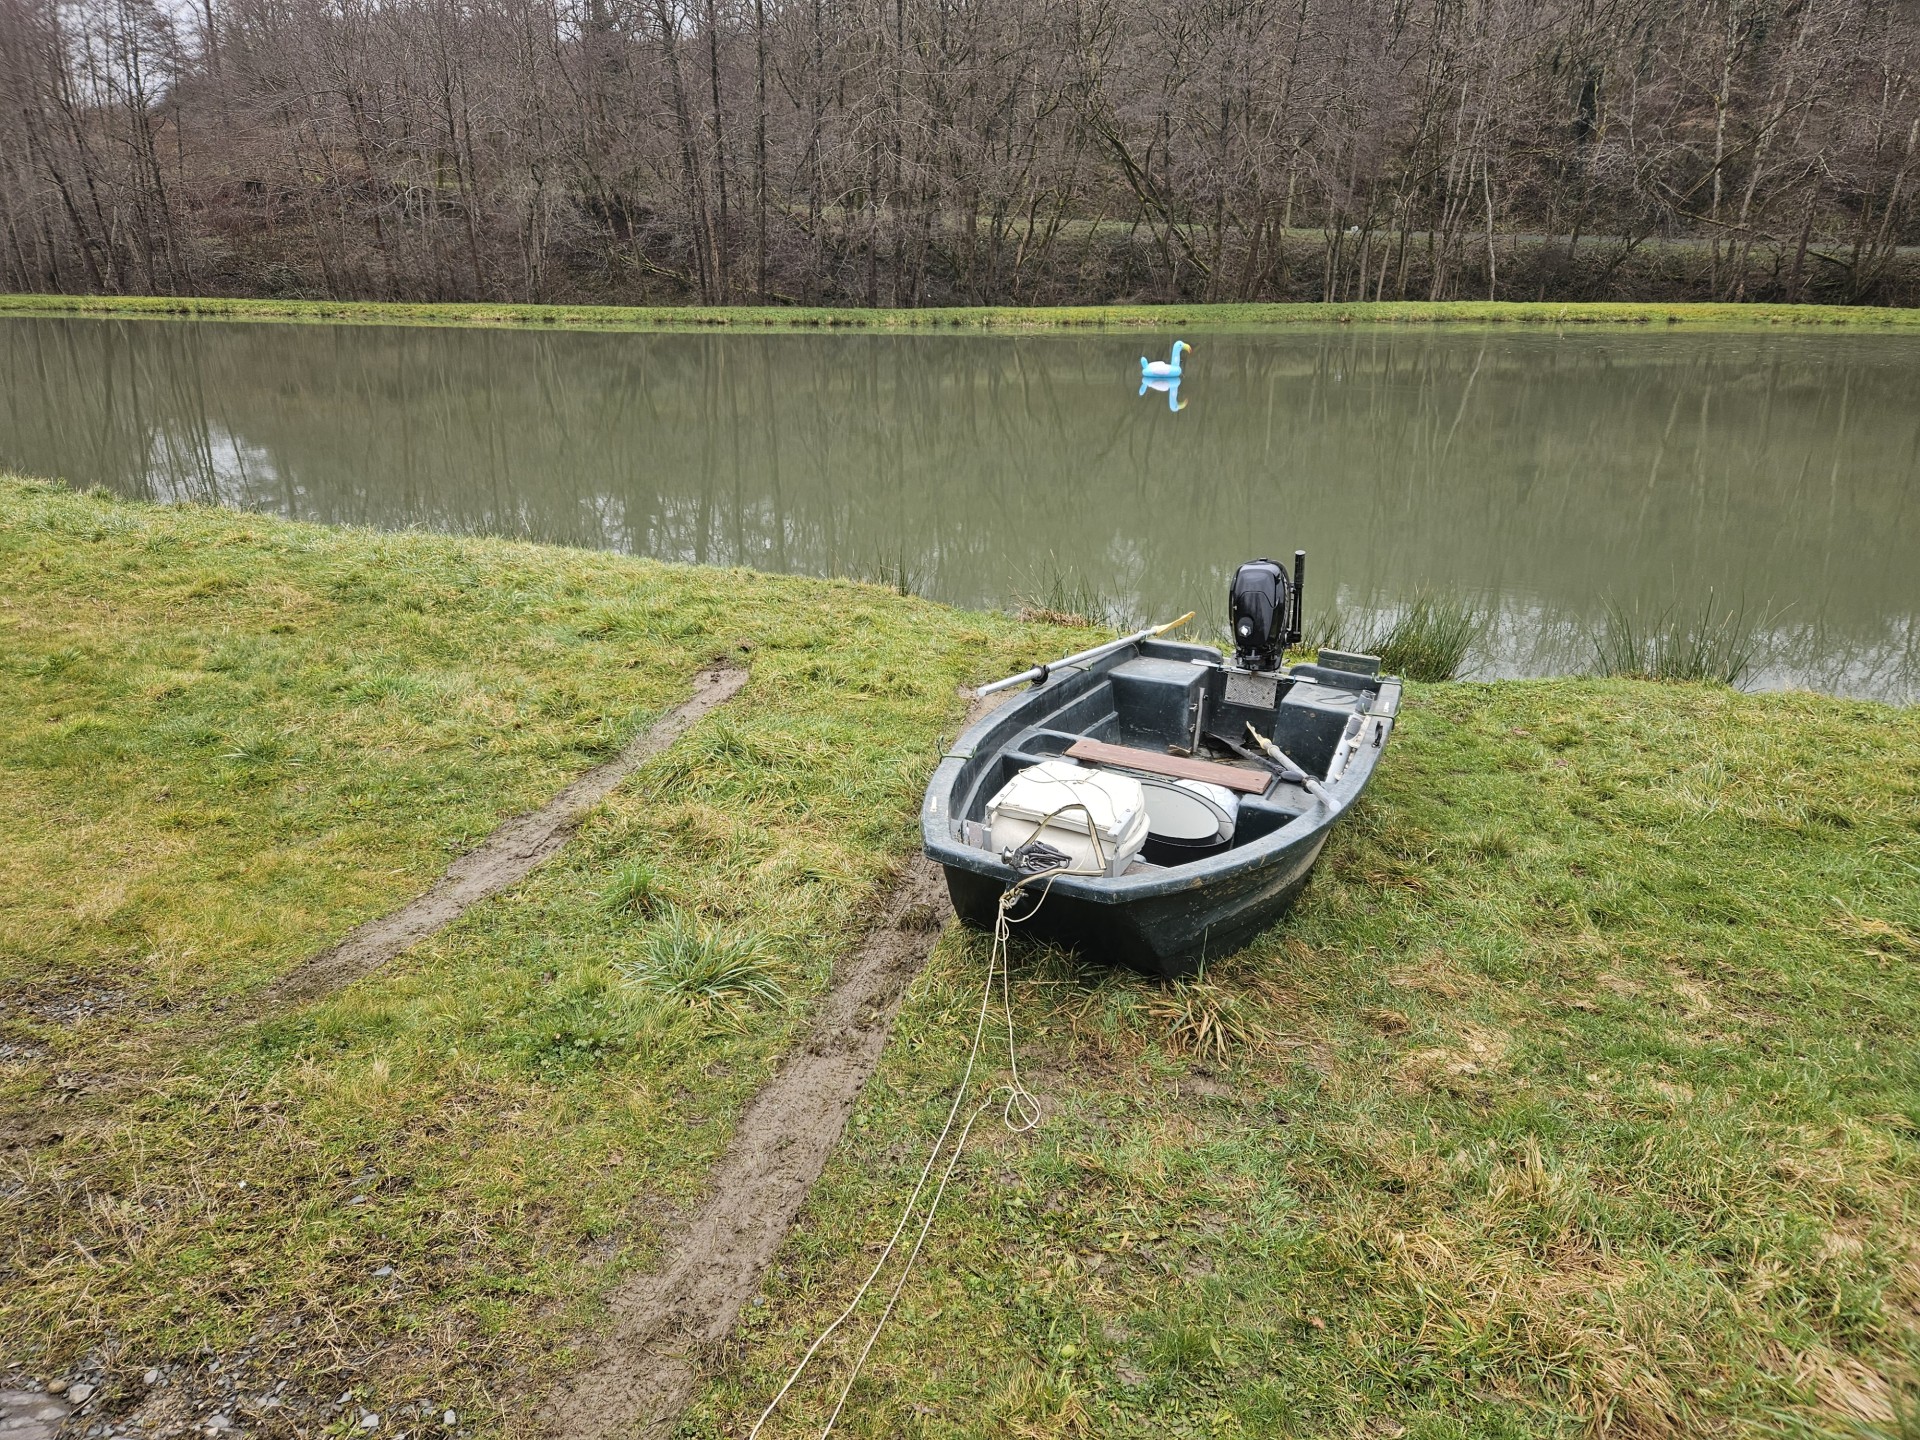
[1020,1113]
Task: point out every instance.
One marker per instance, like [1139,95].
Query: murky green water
[1548,476]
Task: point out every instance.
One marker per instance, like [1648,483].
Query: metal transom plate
[1247,688]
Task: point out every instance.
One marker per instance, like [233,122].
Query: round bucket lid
[1189,810]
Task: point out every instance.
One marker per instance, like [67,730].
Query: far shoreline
[976,319]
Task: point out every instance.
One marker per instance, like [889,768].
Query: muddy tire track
[507,856]
[665,1324]
[648,1365]
[502,860]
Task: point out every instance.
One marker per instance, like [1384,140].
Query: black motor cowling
[1264,610]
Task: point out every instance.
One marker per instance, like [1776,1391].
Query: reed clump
[896,572]
[1429,637]
[1059,594]
[637,889]
[1715,644]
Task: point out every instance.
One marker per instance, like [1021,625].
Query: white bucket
[1189,812]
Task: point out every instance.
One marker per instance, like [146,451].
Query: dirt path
[31,1415]
[505,858]
[649,1363]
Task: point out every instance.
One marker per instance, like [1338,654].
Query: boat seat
[1176,767]
[1155,699]
[1311,719]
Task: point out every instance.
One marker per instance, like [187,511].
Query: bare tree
[932,151]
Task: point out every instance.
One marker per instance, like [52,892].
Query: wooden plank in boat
[1099,752]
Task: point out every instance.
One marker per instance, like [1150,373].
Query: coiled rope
[1019,1113]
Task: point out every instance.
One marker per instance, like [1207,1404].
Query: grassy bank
[230,739]
[1581,1089]
[1580,1095]
[1115,317]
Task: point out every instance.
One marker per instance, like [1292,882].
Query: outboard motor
[1264,611]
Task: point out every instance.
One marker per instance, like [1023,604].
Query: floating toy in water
[1169,388]
[1164,369]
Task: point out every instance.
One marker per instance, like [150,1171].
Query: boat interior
[1162,702]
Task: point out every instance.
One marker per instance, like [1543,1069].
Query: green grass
[1580,1094]
[1005,317]
[229,739]
[691,961]
[637,888]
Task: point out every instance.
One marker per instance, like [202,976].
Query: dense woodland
[911,152]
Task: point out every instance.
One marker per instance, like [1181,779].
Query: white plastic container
[1068,806]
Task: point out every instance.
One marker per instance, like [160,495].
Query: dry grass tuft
[1884,938]
[1839,1384]
[1207,1020]
[1068,619]
[1451,1068]
[1039,1405]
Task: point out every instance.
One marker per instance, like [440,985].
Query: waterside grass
[1580,1093]
[992,317]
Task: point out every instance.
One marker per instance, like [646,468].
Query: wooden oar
[1038,674]
[1292,770]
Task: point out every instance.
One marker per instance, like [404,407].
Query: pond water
[1551,479]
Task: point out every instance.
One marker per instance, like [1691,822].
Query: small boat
[1244,767]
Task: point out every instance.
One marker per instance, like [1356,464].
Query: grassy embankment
[1006,317]
[227,740]
[1583,1082]
[1581,1094]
